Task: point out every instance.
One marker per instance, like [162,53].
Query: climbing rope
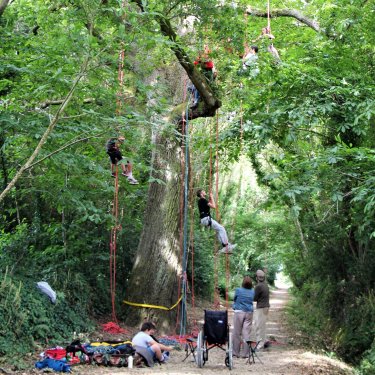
[185,220]
[216,282]
[148,306]
[115,210]
[181,318]
[112,247]
[268,17]
[227,272]
[191,245]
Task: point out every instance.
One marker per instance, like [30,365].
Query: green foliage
[367,366]
[306,123]
[29,318]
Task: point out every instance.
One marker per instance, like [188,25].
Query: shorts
[149,349]
[115,156]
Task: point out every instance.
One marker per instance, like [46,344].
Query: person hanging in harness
[113,150]
[250,61]
[204,206]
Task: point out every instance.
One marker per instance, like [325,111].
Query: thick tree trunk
[157,267]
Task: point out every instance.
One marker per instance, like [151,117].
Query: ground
[282,358]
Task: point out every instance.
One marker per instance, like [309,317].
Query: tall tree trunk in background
[157,267]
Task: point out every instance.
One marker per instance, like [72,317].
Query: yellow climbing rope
[153,306]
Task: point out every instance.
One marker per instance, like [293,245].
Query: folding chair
[253,352]
[190,347]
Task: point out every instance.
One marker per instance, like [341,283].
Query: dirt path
[280,359]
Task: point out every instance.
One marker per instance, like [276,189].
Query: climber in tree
[207,65]
[265,34]
[113,150]
[204,206]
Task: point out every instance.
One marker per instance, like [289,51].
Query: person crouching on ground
[204,206]
[145,340]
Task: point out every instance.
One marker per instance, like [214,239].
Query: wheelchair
[215,334]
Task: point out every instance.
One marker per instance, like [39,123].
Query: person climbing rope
[113,150]
[204,206]
[271,49]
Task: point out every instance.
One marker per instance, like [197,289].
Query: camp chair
[215,333]
[190,346]
[253,352]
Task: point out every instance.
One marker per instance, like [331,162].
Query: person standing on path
[262,298]
[243,316]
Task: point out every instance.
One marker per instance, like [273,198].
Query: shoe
[132,181]
[113,175]
[228,249]
[165,356]
[125,174]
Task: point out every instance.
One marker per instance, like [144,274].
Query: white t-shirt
[142,339]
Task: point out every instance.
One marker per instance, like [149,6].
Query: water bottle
[130,361]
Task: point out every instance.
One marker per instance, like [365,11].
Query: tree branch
[64,147]
[47,103]
[211,102]
[287,13]
[3,5]
[47,132]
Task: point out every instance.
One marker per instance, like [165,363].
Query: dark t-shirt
[262,295]
[111,145]
[204,208]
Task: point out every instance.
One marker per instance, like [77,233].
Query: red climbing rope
[216,282]
[112,247]
[115,210]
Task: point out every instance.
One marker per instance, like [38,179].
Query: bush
[29,319]
[367,366]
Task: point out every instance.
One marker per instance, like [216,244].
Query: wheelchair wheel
[199,350]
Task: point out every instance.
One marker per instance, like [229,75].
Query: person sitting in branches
[206,64]
[250,60]
[204,206]
[113,150]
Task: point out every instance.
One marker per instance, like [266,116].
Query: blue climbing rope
[185,229]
